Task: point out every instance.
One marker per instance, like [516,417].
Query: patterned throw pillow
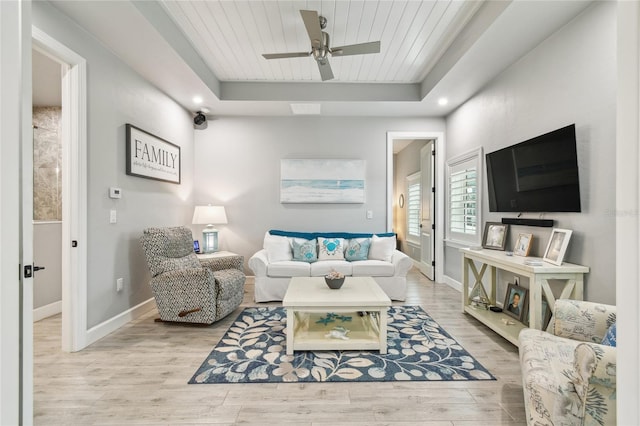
[305,251]
[357,249]
[330,248]
[610,338]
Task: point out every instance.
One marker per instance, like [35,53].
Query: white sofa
[274,265]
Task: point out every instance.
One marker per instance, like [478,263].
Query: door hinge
[433,189]
[433,263]
[433,226]
[74,243]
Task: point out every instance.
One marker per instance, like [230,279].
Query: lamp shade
[209,215]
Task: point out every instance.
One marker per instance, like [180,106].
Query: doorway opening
[73,186]
[414,198]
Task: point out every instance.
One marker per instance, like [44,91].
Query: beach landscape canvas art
[322,181]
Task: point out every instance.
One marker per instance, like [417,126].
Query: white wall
[116,95]
[237,164]
[569,78]
[47,284]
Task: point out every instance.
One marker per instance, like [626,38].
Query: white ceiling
[429,49]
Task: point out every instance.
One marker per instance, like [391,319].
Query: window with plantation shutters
[413,203]
[463,199]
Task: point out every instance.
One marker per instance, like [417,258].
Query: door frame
[438,140]
[74,188]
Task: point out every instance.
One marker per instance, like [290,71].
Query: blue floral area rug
[253,351]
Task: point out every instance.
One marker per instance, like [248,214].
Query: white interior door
[16,228]
[427,234]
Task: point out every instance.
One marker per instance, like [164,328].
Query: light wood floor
[139,374]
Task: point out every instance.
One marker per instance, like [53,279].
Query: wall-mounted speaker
[545,223]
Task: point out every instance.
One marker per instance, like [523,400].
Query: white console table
[539,276]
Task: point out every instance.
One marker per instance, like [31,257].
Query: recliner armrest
[222,263]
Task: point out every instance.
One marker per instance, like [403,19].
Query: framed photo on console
[515,302]
[546,313]
[557,246]
[495,235]
[523,245]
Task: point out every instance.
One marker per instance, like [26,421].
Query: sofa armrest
[222,263]
[594,379]
[258,263]
[401,263]
[580,320]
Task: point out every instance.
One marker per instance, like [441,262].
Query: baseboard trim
[47,311]
[456,285]
[109,326]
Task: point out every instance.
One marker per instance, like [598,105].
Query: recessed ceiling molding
[477,25]
[356,92]
[305,109]
[155,13]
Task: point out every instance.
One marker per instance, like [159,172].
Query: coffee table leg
[290,328]
[383,330]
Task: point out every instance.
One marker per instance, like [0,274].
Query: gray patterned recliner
[185,288]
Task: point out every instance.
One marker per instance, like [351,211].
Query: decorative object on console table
[209,215]
[557,246]
[515,301]
[523,244]
[151,157]
[495,235]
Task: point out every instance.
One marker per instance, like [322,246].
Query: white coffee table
[314,310]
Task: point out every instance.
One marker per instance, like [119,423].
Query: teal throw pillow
[610,337]
[305,252]
[357,249]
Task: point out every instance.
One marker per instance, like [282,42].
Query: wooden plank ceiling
[231,37]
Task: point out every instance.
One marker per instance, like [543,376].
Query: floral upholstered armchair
[185,288]
[568,376]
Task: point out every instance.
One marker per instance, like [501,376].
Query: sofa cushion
[320,269]
[278,248]
[304,250]
[288,268]
[372,268]
[330,248]
[357,249]
[382,248]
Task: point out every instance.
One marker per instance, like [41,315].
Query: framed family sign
[151,157]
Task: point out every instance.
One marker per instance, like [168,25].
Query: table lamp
[209,215]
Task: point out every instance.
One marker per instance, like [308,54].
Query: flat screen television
[537,175]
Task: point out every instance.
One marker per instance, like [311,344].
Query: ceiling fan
[320,49]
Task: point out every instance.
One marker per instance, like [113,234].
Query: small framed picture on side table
[557,246]
[515,301]
[495,235]
[523,245]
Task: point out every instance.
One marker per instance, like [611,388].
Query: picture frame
[546,313]
[151,157]
[523,244]
[513,307]
[495,235]
[331,181]
[557,246]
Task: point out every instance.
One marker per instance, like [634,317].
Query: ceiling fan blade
[325,70]
[356,49]
[285,55]
[312,23]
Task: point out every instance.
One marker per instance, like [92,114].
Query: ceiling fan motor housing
[320,53]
